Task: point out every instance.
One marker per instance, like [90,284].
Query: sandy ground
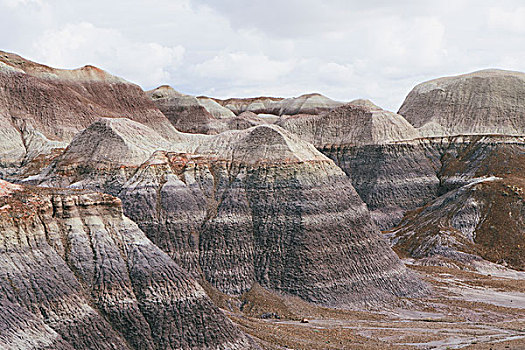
[467,310]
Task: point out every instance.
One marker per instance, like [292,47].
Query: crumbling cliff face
[480,213]
[75,273]
[257,205]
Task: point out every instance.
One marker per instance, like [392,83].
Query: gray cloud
[344,49]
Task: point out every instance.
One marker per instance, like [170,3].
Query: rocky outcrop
[257,105]
[484,102]
[483,219]
[77,274]
[379,151]
[204,115]
[42,108]
[257,205]
[351,125]
[458,160]
[307,104]
[481,211]
[246,120]
[304,104]
[109,146]
[199,115]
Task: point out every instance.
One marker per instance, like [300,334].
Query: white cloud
[15,3]
[508,19]
[75,45]
[243,67]
[345,49]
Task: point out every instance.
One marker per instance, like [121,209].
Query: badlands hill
[77,274]
[243,207]
[378,150]
[480,212]
[485,102]
[304,104]
[42,108]
[132,216]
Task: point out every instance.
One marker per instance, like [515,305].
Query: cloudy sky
[224,48]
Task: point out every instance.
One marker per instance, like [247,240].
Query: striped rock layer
[75,273]
[379,151]
[257,205]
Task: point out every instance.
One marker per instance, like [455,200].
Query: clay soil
[466,310]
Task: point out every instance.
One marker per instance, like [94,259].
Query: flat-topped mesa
[484,102]
[378,151]
[76,272]
[46,107]
[305,104]
[257,206]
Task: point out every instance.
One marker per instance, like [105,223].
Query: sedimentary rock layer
[378,150]
[200,115]
[77,274]
[258,205]
[185,112]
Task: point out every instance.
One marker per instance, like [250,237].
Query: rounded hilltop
[489,101]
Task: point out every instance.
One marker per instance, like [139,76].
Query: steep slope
[215,108]
[42,108]
[378,150]
[257,105]
[484,102]
[246,120]
[199,115]
[108,146]
[257,205]
[77,274]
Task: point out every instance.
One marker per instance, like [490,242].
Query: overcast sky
[235,48]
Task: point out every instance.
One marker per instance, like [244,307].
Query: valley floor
[466,311]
